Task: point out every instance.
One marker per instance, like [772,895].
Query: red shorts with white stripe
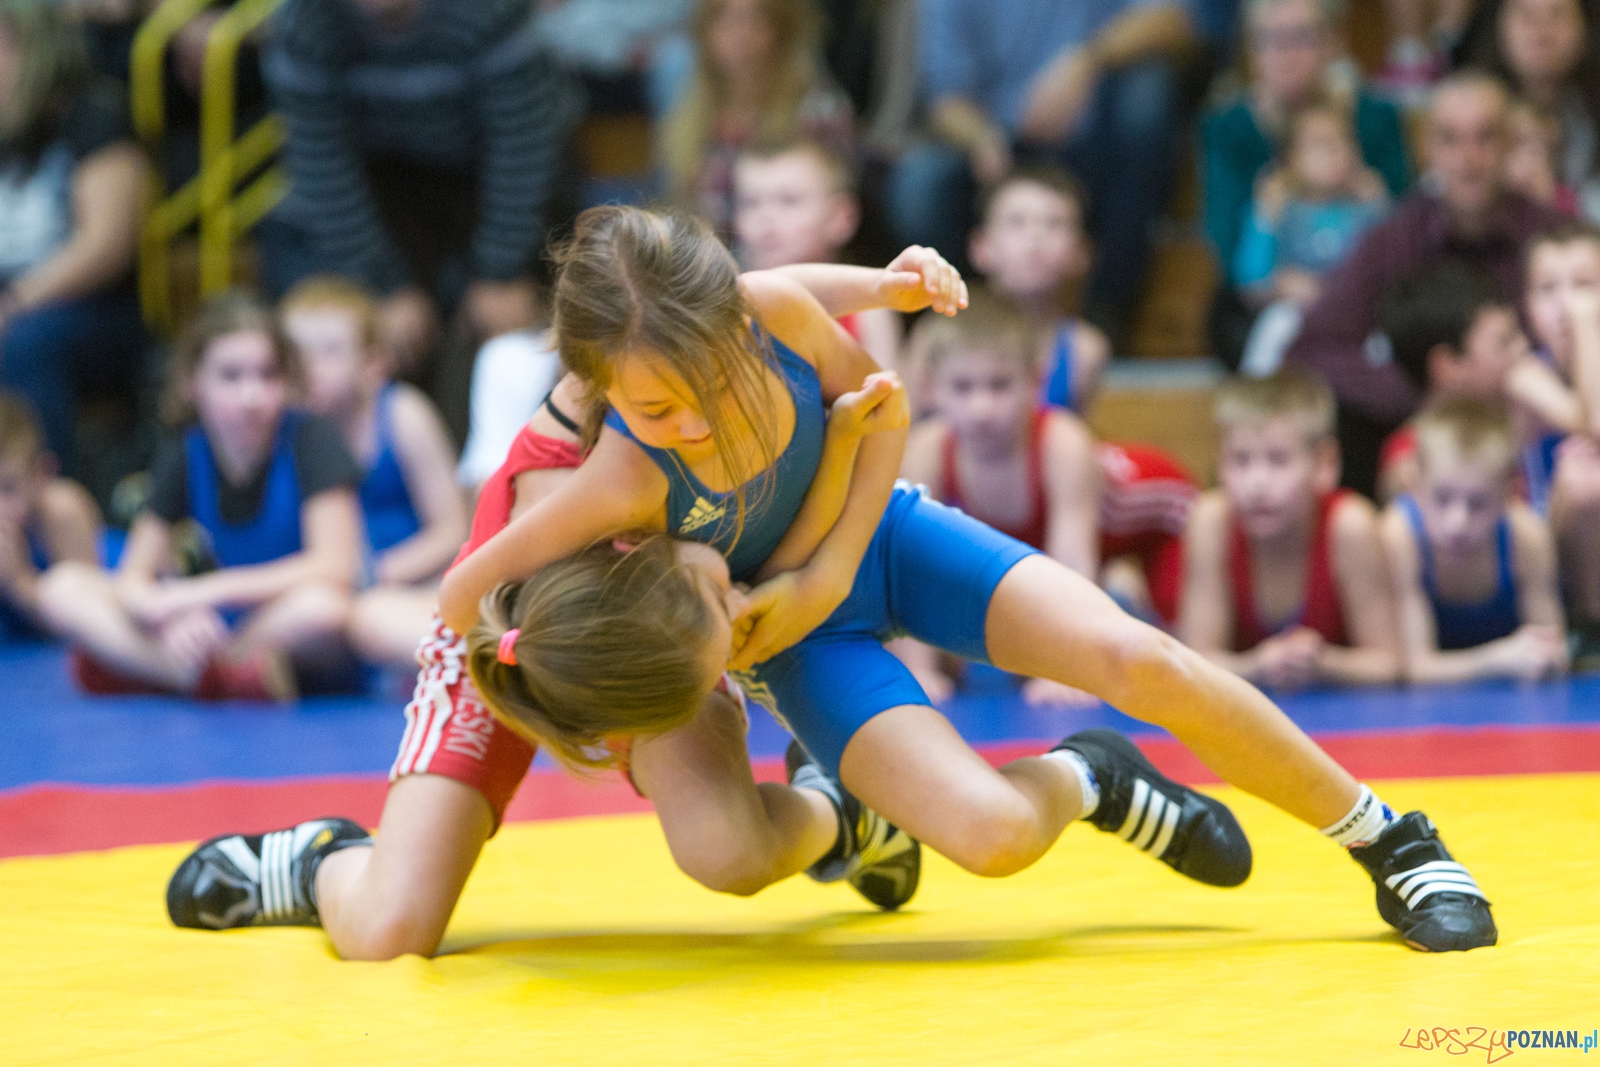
[451,732]
[1144,506]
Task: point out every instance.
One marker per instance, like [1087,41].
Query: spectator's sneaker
[257,880]
[267,677]
[98,679]
[1188,831]
[1423,892]
[882,862]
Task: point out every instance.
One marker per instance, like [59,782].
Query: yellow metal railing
[209,198]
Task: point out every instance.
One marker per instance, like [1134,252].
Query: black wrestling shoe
[882,862]
[1188,831]
[259,880]
[1423,892]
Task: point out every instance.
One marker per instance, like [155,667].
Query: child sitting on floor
[797,204]
[1474,570]
[269,492]
[44,519]
[1032,471]
[416,517]
[1285,581]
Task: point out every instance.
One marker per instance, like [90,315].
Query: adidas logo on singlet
[702,514]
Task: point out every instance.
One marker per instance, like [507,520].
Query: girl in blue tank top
[660,631]
[415,513]
[1474,569]
[258,499]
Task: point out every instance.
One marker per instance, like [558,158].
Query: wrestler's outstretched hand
[919,278]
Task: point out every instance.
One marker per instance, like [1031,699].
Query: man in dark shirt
[426,138]
[1462,211]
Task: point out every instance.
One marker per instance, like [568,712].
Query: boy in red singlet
[1033,472]
[1285,580]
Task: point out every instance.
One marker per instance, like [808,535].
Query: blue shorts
[929,572]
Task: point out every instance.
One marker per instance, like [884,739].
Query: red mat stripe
[46,819]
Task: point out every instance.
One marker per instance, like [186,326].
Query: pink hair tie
[507,653]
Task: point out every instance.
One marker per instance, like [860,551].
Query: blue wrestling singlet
[385,501]
[274,532]
[1461,626]
[772,498]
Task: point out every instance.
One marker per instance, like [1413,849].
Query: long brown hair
[612,643]
[54,65]
[635,281]
[230,312]
[796,33]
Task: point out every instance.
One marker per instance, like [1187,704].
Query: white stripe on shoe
[1169,825]
[277,857]
[1427,889]
[240,856]
[1435,876]
[1130,825]
[1152,820]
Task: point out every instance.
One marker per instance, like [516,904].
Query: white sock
[1087,786]
[1369,818]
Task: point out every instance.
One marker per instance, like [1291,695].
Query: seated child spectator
[797,204]
[1474,570]
[1031,248]
[269,493]
[1285,581]
[44,520]
[1533,157]
[1033,472]
[416,517]
[1306,216]
[1563,472]
[1454,337]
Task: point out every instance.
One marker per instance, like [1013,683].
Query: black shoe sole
[181,906]
[886,892]
[1458,924]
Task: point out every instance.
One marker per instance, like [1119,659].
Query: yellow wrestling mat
[579,943]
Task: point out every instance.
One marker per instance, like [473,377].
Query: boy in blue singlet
[44,519]
[1031,249]
[416,517]
[1474,571]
